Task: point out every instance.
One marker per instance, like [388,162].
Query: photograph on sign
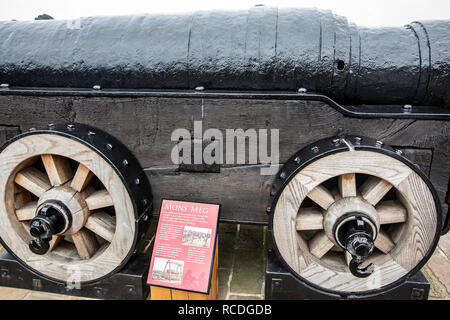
[167,270]
[199,237]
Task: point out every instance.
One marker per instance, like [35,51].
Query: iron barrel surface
[262,48]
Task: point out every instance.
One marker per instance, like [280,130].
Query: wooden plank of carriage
[422,143]
[159,293]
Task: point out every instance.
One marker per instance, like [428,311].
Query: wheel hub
[346,210]
[354,233]
[352,223]
[60,211]
[55,215]
[52,218]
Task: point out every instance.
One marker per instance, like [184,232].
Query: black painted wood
[145,126]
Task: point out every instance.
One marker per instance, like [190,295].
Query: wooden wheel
[99,215]
[322,192]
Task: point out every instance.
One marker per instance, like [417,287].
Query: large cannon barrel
[259,49]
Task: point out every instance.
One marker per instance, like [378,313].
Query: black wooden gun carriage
[361,194]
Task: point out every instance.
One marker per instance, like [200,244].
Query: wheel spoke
[336,194]
[85,242]
[66,249]
[320,244]
[322,196]
[55,241]
[21,196]
[82,178]
[347,185]
[391,212]
[383,242]
[33,180]
[374,189]
[102,224]
[309,219]
[99,199]
[58,169]
[87,191]
[348,257]
[27,211]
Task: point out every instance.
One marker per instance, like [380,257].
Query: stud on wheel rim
[343,181]
[56,170]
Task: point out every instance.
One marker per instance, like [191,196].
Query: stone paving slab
[242,251]
[437,270]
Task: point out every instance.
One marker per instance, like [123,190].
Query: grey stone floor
[241,265]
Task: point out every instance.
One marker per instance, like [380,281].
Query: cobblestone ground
[242,261]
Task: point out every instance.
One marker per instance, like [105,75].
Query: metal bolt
[302,90]
[109,146]
[379,144]
[125,162]
[358,140]
[99,291]
[282,175]
[37,283]
[399,152]
[32,129]
[137,181]
[145,218]
[337,141]
[144,202]
[51,125]
[91,133]
[97,87]
[273,192]
[70,126]
[4,85]
[297,160]
[407,108]
[315,149]
[417,293]
[268,209]
[200,88]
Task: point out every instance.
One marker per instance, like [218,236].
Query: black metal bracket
[280,284]
[127,284]
[356,111]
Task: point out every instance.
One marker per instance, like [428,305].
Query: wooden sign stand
[159,293]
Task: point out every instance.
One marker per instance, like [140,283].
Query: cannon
[89,108]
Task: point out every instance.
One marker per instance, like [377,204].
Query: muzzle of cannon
[348,212]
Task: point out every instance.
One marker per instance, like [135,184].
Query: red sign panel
[184,247]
